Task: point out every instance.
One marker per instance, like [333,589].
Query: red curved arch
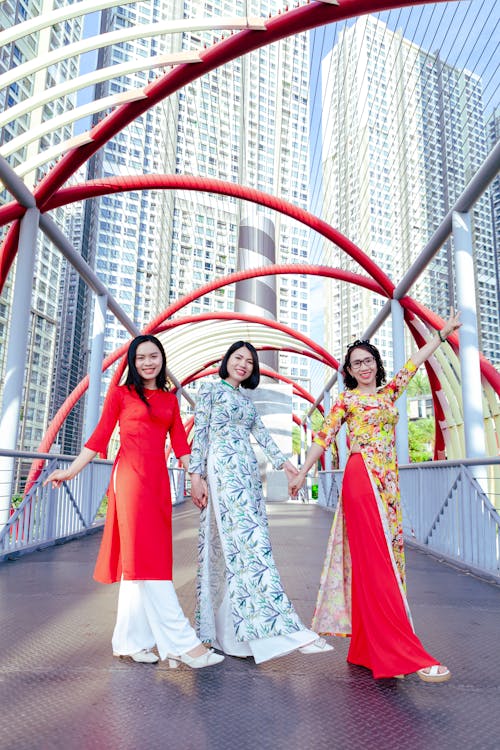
[188,425]
[323,355]
[298,389]
[195,183]
[80,389]
[490,374]
[77,393]
[435,383]
[279,27]
[95,188]
[8,251]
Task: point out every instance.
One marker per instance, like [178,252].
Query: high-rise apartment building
[403,133]
[18,148]
[72,354]
[125,234]
[493,133]
[245,122]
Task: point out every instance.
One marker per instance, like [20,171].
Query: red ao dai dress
[137,539]
[136,547]
[362,589]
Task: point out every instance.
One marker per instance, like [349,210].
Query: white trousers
[149,614]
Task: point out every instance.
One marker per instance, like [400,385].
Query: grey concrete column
[96,357]
[16,353]
[399,358]
[256,248]
[472,397]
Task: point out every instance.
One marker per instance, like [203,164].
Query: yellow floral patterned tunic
[371,421]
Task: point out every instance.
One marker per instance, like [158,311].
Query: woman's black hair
[253,380]
[350,382]
[133,377]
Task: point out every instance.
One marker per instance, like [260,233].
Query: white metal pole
[96,357]
[469,348]
[16,353]
[399,358]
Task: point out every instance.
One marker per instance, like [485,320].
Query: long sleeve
[177,433]
[332,423]
[99,439]
[399,383]
[199,448]
[264,439]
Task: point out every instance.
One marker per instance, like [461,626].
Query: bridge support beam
[16,354]
[472,399]
[96,357]
[399,358]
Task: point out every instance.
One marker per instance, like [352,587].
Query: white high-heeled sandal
[145,656]
[208,659]
[319,646]
[432,674]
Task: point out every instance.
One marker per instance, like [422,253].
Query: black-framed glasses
[356,364]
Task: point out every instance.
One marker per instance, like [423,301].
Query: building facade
[246,122]
[493,134]
[18,148]
[403,133]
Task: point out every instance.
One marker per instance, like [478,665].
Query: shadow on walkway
[61,688]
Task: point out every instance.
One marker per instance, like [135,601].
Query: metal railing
[44,516]
[448,509]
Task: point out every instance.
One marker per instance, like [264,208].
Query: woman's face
[363,367]
[148,362]
[239,366]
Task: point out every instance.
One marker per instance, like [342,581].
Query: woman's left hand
[452,324]
[199,491]
[290,470]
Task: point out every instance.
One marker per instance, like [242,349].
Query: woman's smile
[239,366]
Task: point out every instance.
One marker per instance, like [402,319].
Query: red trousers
[382,639]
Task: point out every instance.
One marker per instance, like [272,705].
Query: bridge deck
[61,688]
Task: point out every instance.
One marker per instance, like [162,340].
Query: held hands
[290,470]
[199,491]
[296,483]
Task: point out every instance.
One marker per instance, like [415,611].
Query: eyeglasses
[356,364]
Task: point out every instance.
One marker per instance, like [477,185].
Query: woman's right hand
[296,483]
[57,477]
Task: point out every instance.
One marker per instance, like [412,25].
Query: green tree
[420,431]
[419,385]
[421,439]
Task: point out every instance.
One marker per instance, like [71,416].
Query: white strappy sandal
[432,674]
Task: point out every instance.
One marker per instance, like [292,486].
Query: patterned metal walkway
[61,688]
